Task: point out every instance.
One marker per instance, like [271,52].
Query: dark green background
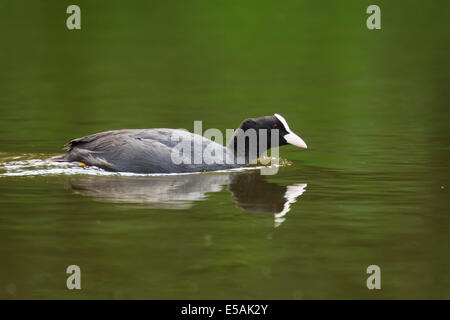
[372,105]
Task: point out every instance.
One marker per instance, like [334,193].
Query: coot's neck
[245,147]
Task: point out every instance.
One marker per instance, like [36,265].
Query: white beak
[291,137]
[295,140]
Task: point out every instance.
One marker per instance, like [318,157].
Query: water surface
[372,188]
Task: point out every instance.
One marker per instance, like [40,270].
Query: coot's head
[275,122]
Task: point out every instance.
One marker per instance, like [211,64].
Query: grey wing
[201,154]
[122,150]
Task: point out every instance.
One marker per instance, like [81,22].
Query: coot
[159,151]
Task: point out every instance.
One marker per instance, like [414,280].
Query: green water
[372,188]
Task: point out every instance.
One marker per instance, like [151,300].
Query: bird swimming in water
[153,150]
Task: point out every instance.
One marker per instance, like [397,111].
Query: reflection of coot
[253,194]
[171,192]
[250,191]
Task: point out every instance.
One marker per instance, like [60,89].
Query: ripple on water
[38,165]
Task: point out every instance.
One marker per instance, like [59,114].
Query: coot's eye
[275,126]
